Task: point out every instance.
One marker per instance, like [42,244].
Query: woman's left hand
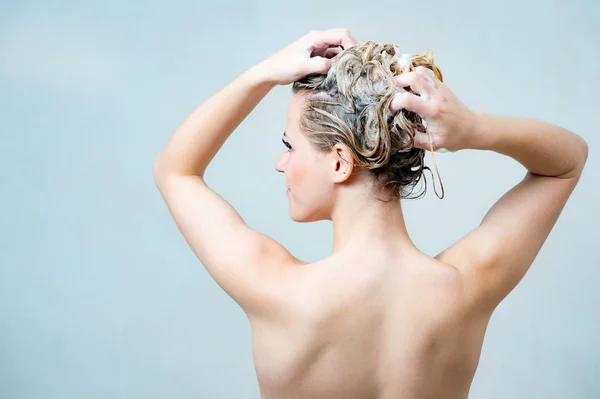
[311,53]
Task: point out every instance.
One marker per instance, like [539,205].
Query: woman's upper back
[359,327]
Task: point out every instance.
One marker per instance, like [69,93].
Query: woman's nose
[279,165]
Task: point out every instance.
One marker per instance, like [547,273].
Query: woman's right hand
[450,124]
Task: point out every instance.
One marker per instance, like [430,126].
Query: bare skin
[378,319]
[359,327]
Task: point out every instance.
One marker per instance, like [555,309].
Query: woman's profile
[378,318]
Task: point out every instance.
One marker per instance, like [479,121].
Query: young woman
[377,318]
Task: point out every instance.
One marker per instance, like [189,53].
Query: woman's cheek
[296,175]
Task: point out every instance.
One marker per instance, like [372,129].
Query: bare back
[354,328]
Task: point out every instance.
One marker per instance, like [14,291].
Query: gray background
[100,296]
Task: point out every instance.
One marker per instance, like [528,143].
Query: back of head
[350,105]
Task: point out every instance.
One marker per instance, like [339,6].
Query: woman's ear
[343,163]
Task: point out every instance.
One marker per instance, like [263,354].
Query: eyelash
[286,143]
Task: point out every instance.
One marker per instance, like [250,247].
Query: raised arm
[495,256]
[244,262]
[241,260]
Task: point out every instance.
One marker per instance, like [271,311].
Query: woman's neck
[368,222]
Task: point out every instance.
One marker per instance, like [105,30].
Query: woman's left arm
[244,262]
[200,136]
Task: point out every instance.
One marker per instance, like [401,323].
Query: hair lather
[350,105]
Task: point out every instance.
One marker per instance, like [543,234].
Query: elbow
[585,149]
[160,175]
[162,172]
[158,170]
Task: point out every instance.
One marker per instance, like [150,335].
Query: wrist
[481,137]
[261,75]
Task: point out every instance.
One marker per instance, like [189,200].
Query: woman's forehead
[296,103]
[294,113]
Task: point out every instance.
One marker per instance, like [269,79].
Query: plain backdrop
[100,296]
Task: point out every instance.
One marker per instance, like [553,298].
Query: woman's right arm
[543,148]
[495,256]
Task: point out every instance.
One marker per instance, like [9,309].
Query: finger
[352,40]
[331,38]
[416,82]
[332,52]
[411,102]
[319,64]
[422,141]
[327,53]
[428,74]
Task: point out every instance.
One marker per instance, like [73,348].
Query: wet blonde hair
[350,105]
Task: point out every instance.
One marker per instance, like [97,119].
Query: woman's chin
[302,218]
[295,217]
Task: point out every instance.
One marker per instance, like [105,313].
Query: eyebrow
[285,135]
